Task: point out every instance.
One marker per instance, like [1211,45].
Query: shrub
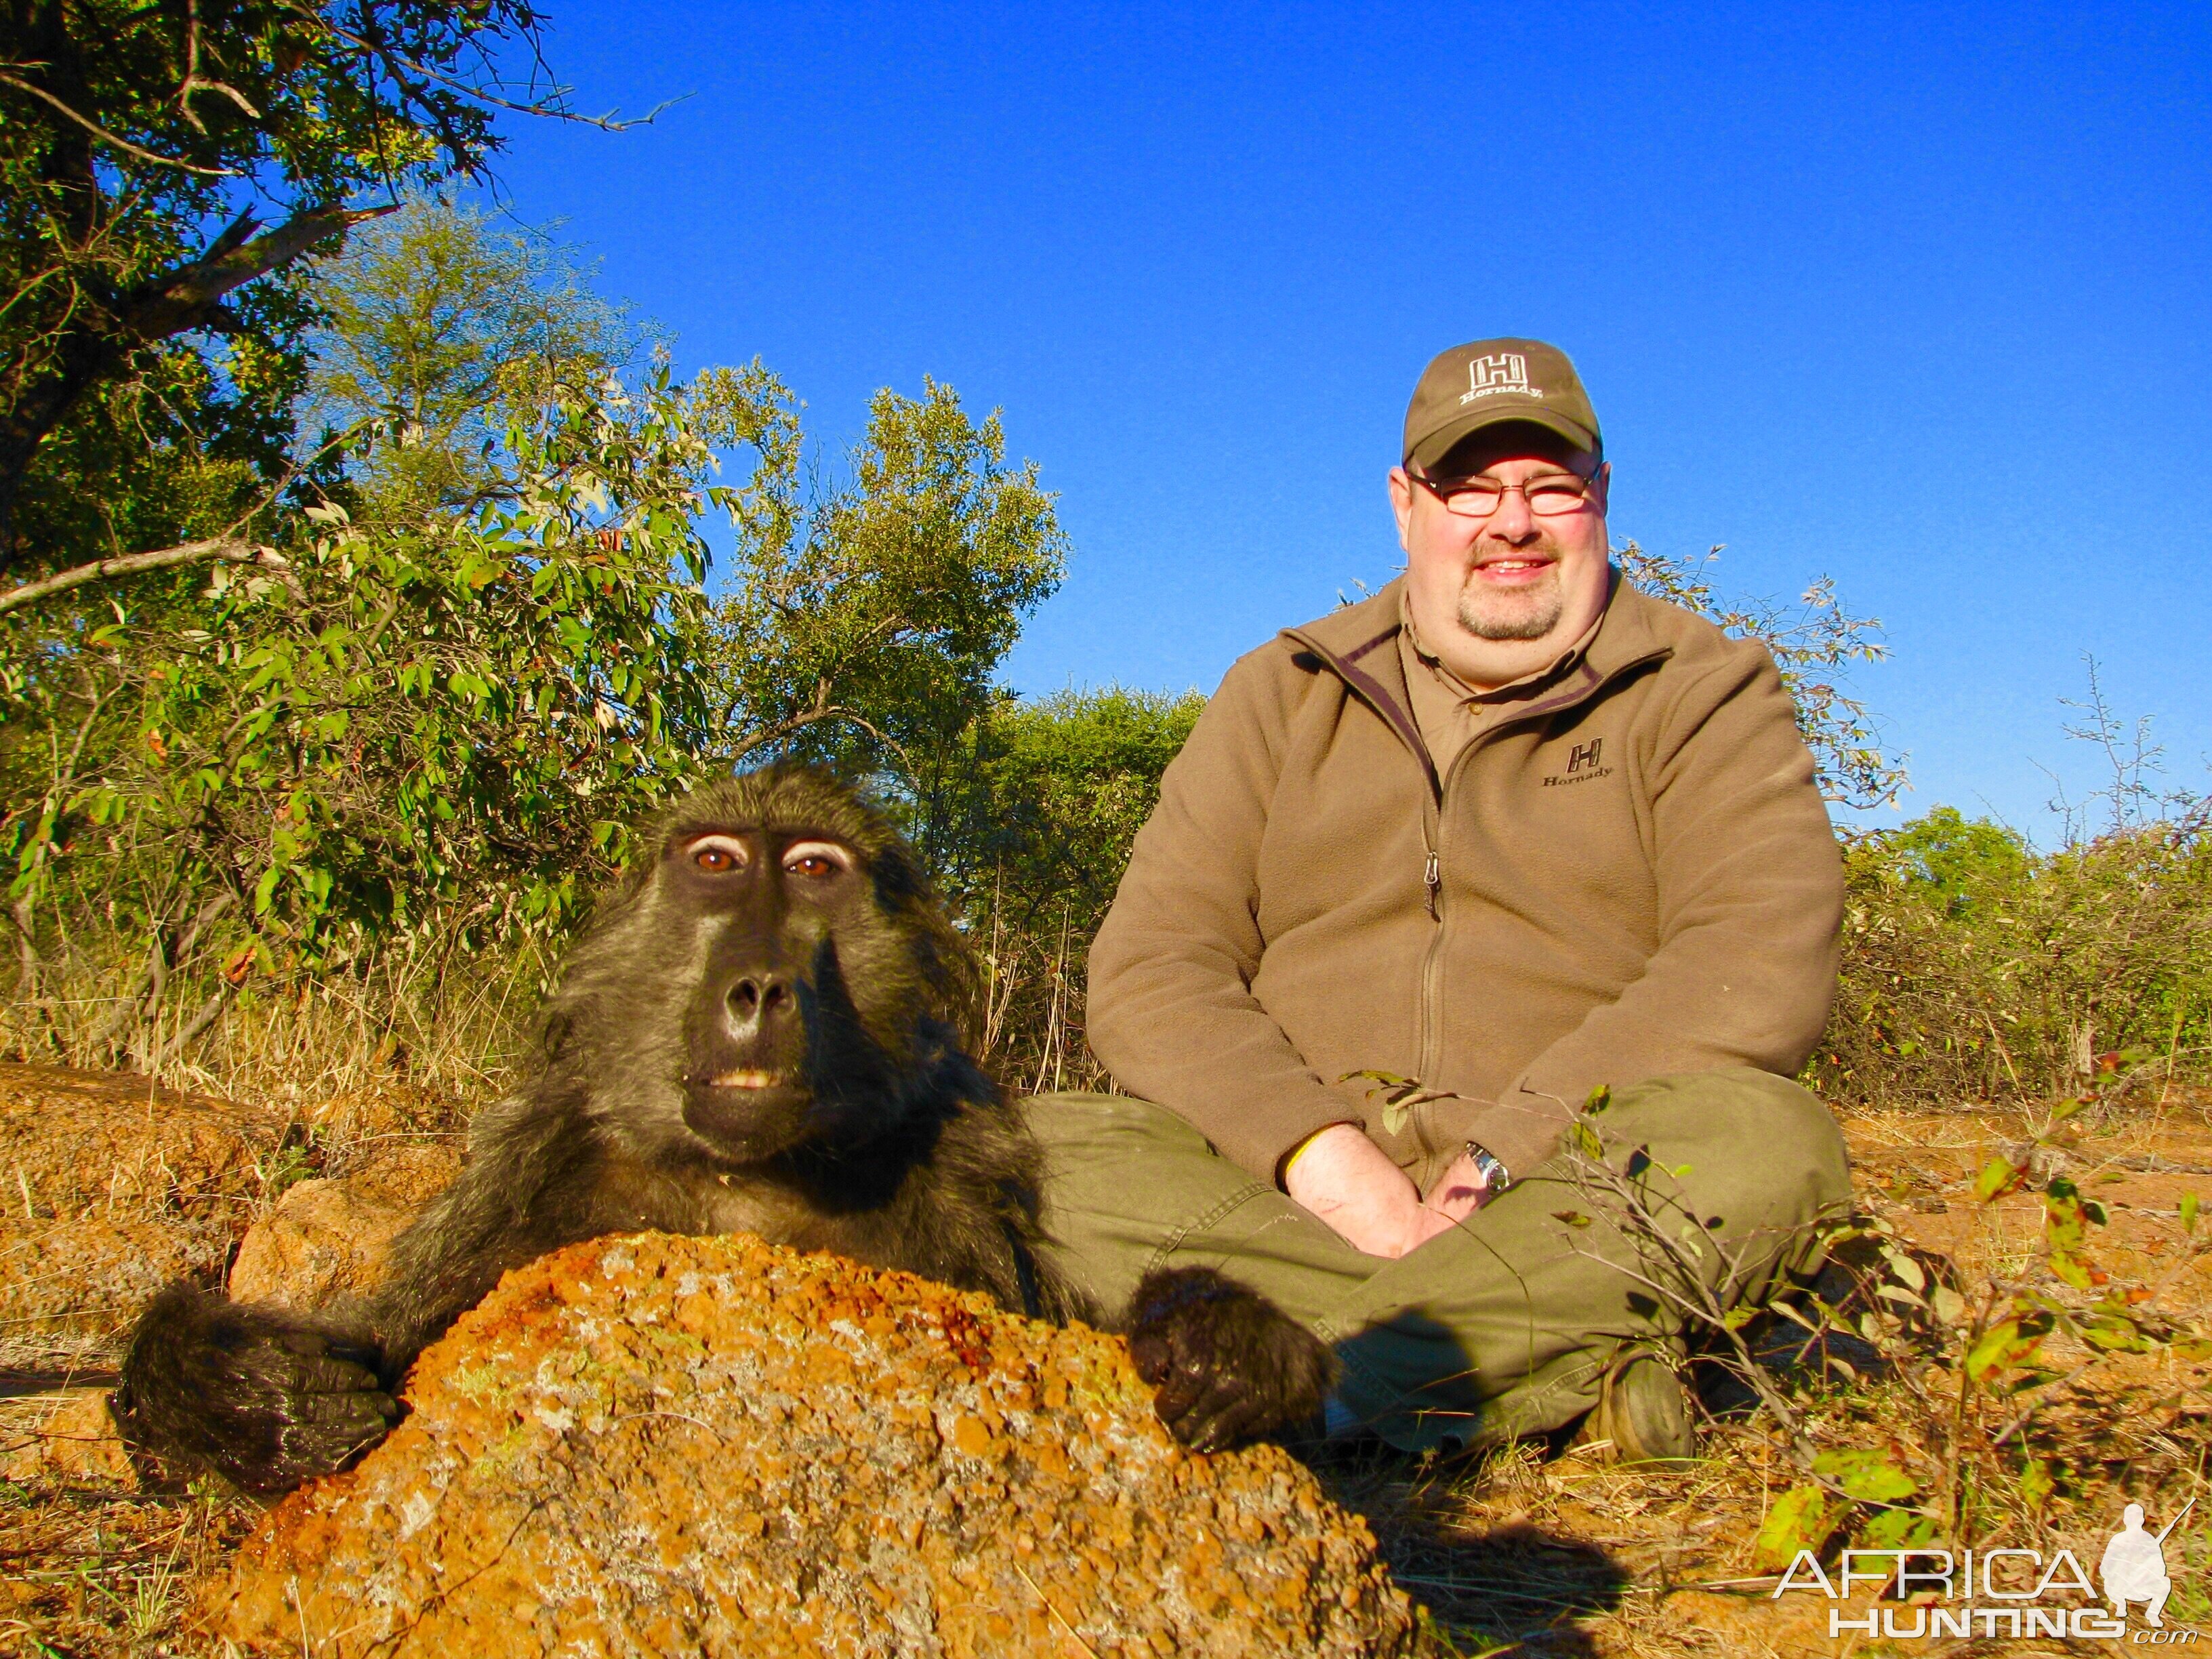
[1028,820]
[1977,969]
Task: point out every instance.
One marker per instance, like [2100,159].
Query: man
[1433,875]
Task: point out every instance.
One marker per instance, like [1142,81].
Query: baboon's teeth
[746,1080]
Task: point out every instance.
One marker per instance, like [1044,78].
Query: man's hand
[1351,1183]
[1460,1190]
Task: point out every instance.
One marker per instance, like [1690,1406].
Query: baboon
[759,1033]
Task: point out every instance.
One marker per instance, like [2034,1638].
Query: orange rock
[110,1187]
[581,1474]
[331,1238]
[406,1175]
[75,1444]
[320,1241]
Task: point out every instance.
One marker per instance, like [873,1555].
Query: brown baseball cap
[1487,381]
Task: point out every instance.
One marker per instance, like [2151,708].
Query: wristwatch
[1496,1177]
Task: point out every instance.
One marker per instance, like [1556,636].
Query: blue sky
[1917,298]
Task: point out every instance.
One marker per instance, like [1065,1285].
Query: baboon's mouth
[745,1080]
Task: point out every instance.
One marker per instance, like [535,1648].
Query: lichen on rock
[650,1444]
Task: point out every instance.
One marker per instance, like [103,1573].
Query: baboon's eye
[718,855]
[816,859]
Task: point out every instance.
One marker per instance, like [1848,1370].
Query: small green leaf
[1908,1270]
[2071,1269]
[1795,1315]
[2115,1335]
[1388,1079]
[1871,1476]
[2036,1484]
[2189,1212]
[2004,1345]
[1573,1218]
[1798,1521]
[1893,1529]
[1600,1098]
[1998,1177]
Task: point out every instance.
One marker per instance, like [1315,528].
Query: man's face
[1498,597]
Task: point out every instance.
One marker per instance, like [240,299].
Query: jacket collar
[1353,641]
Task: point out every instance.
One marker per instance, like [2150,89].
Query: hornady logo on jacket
[1926,1594]
[1582,764]
[1502,371]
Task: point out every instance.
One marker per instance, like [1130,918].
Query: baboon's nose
[758,1001]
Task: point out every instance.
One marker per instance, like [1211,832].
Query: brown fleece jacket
[1630,874]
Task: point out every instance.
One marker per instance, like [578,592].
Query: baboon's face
[802,1005]
[776,974]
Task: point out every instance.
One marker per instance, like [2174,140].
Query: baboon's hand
[1227,1363]
[266,1398]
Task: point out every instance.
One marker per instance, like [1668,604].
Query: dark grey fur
[882,1141]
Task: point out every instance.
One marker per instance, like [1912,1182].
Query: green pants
[1704,1188]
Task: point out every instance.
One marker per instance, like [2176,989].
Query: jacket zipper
[1432,966]
[1432,1020]
[1432,970]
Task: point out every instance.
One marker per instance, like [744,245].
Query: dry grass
[94,1570]
[420,1020]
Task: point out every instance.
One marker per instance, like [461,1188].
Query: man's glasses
[1549,496]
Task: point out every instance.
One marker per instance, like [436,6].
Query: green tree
[440,331]
[1966,864]
[1027,819]
[1031,813]
[162,170]
[1975,967]
[447,723]
[868,623]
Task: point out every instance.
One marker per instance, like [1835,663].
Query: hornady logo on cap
[1503,371]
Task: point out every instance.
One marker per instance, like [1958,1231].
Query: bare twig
[27,946]
[131,564]
[154,977]
[549,105]
[1676,1274]
[188,297]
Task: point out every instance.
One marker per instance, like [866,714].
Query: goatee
[1529,615]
